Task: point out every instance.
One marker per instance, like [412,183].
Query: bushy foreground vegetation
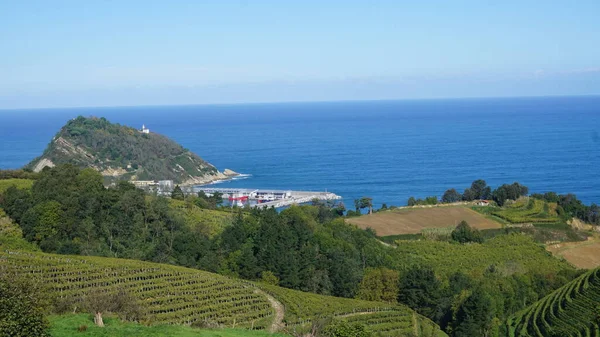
[572,310]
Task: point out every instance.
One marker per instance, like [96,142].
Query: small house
[483,203]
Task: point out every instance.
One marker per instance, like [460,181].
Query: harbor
[258,198]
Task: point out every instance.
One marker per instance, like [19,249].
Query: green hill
[571,310]
[182,296]
[122,152]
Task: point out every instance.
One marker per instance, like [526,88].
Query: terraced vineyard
[529,210]
[571,310]
[176,295]
[383,319]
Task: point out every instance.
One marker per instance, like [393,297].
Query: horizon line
[297,102]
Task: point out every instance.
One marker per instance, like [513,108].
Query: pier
[267,198]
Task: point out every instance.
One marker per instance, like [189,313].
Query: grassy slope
[176,295]
[509,253]
[68,326]
[571,310]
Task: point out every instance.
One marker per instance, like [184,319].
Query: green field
[571,310]
[18,183]
[68,326]
[182,296]
[508,253]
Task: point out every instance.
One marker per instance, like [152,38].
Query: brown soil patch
[413,220]
[580,254]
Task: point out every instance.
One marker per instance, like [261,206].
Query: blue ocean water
[388,150]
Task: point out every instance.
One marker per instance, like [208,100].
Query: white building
[144,130]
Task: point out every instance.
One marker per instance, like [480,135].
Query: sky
[113,53]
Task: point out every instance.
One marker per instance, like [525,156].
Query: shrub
[21,308]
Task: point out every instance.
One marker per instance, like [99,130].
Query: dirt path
[279,311]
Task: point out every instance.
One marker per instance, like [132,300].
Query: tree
[379,284]
[366,202]
[177,193]
[268,277]
[121,303]
[21,308]
[420,290]
[411,201]
[451,195]
[478,190]
[357,205]
[509,192]
[463,233]
[474,316]
[433,200]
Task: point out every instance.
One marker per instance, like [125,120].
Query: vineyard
[571,310]
[384,319]
[176,295]
[507,253]
[529,210]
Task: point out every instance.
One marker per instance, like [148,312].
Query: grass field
[19,183]
[585,254]
[414,220]
[68,326]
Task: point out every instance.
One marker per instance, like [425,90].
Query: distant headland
[120,152]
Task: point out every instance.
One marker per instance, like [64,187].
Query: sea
[386,150]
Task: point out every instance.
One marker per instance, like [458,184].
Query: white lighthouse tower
[144,129]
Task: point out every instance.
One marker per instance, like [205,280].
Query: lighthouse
[144,130]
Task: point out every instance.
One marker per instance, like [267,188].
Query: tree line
[479,190]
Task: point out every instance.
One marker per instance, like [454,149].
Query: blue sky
[103,53]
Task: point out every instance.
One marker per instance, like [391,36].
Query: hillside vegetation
[176,295]
[510,254]
[529,210]
[122,152]
[572,310]
[18,183]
